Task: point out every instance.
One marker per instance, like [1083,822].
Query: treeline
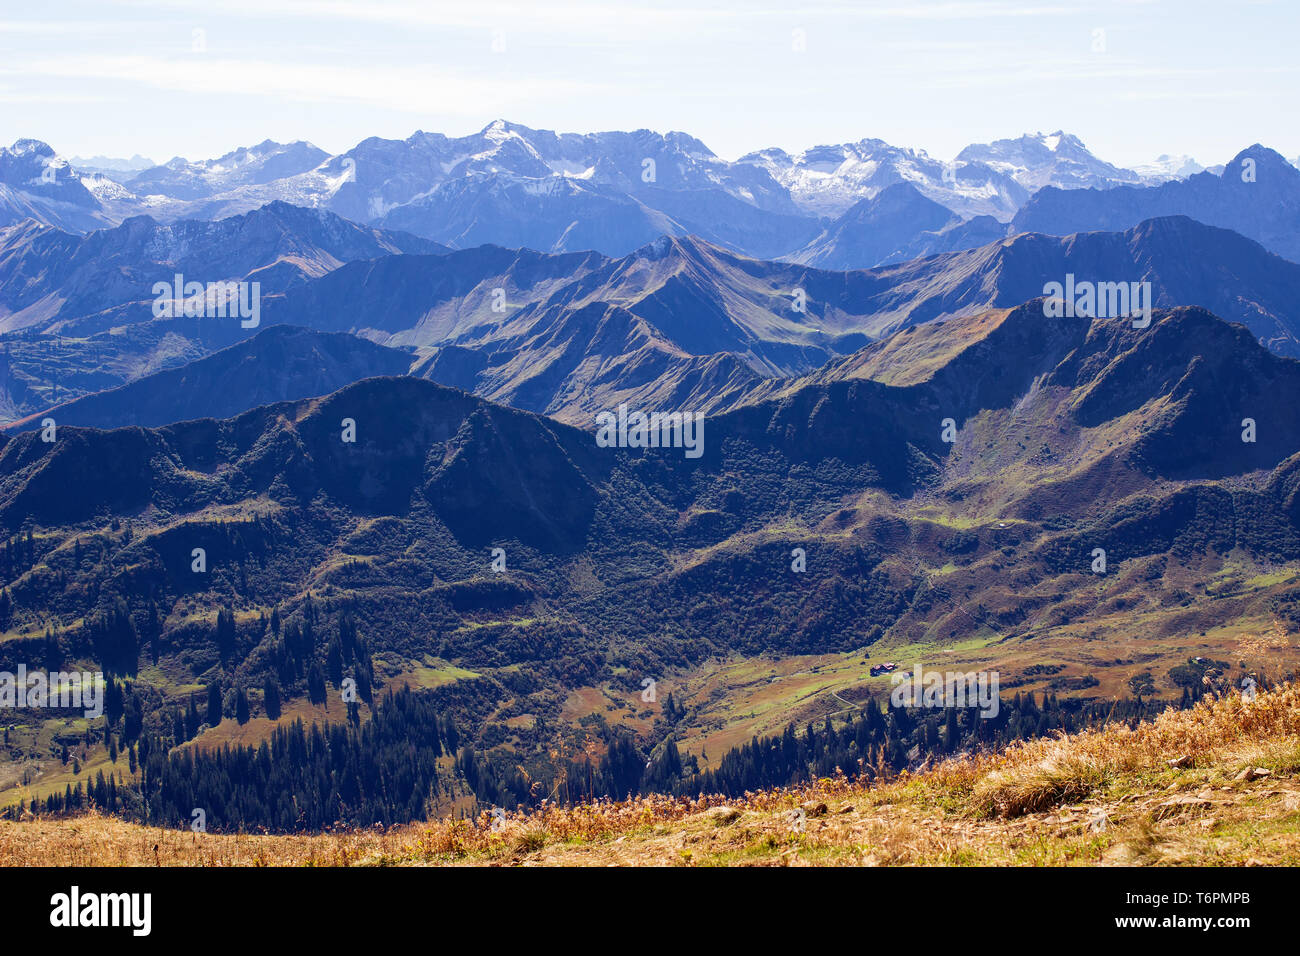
[301,779]
[386,770]
[621,771]
[382,772]
[879,740]
[887,741]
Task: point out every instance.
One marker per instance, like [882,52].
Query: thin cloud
[596,15]
[415,89]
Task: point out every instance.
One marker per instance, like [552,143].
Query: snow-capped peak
[1167,167]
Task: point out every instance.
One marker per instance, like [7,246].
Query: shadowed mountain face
[947,365]
[47,275]
[1166,378]
[80,309]
[684,321]
[877,229]
[279,364]
[577,331]
[1257,194]
[705,299]
[897,225]
[1185,262]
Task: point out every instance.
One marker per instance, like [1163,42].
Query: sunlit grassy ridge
[1216,784]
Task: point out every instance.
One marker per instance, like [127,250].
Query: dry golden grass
[1036,774]
[1275,638]
[94,840]
[1219,784]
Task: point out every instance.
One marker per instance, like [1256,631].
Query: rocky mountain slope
[1069,436]
[1257,194]
[679,323]
[619,563]
[48,275]
[512,185]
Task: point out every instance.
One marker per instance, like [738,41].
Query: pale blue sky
[1180,76]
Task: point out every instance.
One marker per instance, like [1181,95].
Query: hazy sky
[1132,78]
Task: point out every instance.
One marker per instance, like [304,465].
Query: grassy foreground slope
[1218,784]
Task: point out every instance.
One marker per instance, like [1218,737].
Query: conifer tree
[271,698]
[214,703]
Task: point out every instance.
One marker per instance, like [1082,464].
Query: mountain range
[1068,436]
[677,323]
[1257,194]
[908,448]
[610,192]
[49,276]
